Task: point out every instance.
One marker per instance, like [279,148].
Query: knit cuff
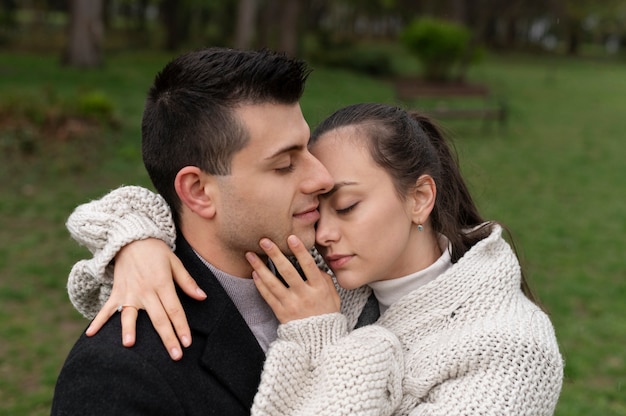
[315,333]
[138,212]
[105,226]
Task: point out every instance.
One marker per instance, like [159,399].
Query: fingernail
[175,353]
[250,256]
[127,339]
[265,243]
[186,341]
[200,292]
[292,240]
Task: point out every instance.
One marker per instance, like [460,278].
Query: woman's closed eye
[347,209]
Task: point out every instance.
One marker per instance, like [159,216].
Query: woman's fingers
[305,260]
[108,309]
[143,279]
[184,280]
[270,282]
[261,284]
[163,325]
[129,322]
[283,265]
[303,298]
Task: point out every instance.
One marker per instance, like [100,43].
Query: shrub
[95,105]
[28,121]
[365,59]
[439,46]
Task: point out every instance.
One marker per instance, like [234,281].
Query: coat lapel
[232,353]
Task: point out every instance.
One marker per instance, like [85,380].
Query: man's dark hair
[189,119]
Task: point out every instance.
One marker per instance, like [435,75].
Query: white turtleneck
[387,292]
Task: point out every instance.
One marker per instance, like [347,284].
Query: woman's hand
[144,276]
[302,299]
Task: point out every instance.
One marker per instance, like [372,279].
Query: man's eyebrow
[286,149]
[337,187]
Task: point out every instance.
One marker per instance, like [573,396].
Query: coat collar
[231,353]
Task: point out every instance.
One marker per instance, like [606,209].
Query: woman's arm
[142,274]
[315,366]
[106,225]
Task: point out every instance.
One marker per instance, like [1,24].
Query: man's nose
[320,180]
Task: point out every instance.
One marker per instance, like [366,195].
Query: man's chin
[307,238]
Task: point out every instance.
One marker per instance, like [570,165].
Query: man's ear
[423,196]
[195,189]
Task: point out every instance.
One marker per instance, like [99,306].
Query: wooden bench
[448,97]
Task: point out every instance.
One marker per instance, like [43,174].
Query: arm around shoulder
[106,225]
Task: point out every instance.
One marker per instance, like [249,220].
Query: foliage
[439,45]
[363,59]
[29,120]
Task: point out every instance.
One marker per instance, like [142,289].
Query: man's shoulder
[108,341]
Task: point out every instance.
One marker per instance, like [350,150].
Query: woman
[401,223]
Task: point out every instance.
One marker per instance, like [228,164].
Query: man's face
[274,184]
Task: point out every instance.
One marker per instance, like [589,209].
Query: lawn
[555,174]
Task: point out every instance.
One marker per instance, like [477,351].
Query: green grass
[555,174]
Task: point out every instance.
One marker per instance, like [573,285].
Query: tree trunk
[86,34]
[246,24]
[176,17]
[289,27]
[573,36]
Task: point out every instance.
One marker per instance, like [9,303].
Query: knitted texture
[473,345]
[314,369]
[106,225]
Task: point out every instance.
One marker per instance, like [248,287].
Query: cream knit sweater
[473,344]
[467,343]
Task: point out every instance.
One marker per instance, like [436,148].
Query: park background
[73,77]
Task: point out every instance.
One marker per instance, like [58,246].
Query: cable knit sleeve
[106,225]
[317,368]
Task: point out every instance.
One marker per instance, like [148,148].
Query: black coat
[218,374]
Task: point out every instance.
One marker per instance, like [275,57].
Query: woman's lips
[338,261]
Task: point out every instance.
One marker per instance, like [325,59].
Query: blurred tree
[280,27]
[176,18]
[289,20]
[86,34]
[246,23]
[7,12]
[575,12]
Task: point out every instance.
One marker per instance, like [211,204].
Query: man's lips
[309,215]
[337,260]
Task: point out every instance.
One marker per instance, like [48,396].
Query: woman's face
[366,232]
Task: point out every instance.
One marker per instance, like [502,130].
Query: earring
[420,227]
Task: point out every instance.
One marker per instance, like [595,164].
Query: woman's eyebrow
[338,186]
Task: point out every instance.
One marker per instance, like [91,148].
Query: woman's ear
[423,195]
[195,190]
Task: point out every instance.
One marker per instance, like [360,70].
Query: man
[225,143]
